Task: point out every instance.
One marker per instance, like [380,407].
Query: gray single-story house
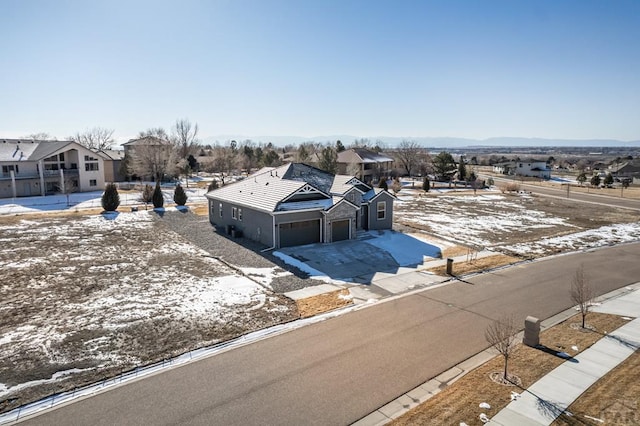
[298,204]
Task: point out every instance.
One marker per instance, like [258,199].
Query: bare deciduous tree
[155,160]
[156,132]
[501,335]
[70,186]
[97,138]
[185,137]
[408,155]
[581,293]
[40,136]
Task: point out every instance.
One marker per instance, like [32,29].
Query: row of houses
[38,167]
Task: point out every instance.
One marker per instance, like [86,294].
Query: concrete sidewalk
[557,387]
[547,398]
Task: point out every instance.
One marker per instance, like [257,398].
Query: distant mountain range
[431,142]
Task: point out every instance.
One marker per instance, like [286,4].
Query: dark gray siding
[387,221]
[255,225]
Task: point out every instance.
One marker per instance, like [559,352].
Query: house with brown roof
[35,167]
[367,165]
[297,204]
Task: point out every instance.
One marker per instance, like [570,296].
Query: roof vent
[266,184]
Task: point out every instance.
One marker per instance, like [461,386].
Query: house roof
[362,155]
[375,193]
[112,154]
[280,188]
[260,191]
[14,150]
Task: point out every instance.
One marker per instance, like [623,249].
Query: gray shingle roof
[261,192]
[14,150]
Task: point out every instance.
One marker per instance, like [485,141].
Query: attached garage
[340,230]
[299,233]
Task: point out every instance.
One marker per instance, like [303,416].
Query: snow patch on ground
[599,237]
[265,276]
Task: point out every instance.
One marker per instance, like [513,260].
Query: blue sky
[476,69]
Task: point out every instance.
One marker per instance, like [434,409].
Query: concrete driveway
[359,260]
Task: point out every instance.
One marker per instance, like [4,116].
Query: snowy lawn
[87,200]
[519,224]
[83,298]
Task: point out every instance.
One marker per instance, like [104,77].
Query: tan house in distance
[30,167]
[364,164]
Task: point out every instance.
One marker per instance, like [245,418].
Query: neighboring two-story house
[367,165]
[298,204]
[29,167]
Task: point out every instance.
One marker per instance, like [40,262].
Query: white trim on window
[220,209]
[381,209]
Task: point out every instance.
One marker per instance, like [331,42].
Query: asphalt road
[589,197]
[339,370]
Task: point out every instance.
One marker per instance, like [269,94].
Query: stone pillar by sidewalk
[531,331]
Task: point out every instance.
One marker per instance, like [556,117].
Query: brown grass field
[459,402]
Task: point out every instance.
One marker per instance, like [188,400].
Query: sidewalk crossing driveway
[360,259]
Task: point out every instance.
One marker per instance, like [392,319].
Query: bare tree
[155,160]
[185,137]
[156,132]
[408,155]
[97,138]
[581,293]
[40,136]
[69,187]
[501,335]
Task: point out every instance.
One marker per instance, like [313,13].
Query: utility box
[449,266]
[531,331]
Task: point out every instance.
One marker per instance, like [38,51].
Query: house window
[61,156]
[91,167]
[382,210]
[240,215]
[7,169]
[89,158]
[93,182]
[220,209]
[236,213]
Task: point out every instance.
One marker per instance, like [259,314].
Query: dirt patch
[504,222]
[481,264]
[455,251]
[459,402]
[200,209]
[612,400]
[113,292]
[325,302]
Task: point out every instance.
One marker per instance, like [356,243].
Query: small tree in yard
[426,185]
[158,198]
[396,186]
[581,293]
[595,180]
[147,194]
[608,179]
[383,184]
[110,198]
[213,185]
[501,335]
[179,196]
[582,178]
